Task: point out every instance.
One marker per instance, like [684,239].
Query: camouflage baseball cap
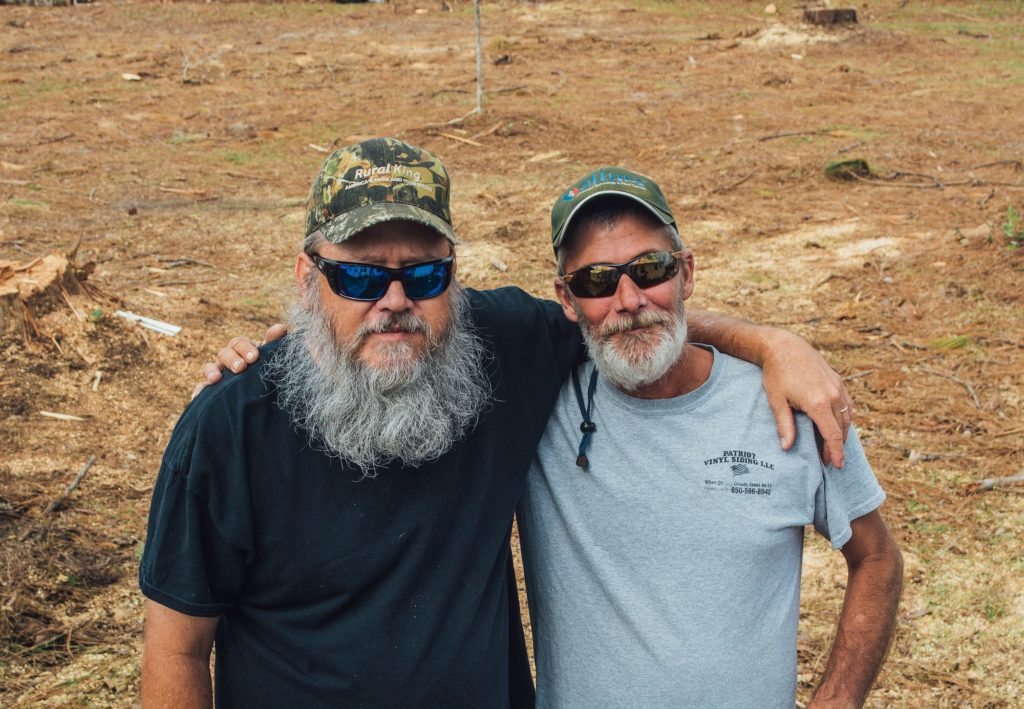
[375,181]
[607,181]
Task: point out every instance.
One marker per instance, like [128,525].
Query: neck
[690,371]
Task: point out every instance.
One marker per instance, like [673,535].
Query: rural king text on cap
[378,180]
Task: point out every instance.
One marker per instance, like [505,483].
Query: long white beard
[408,409]
[638,350]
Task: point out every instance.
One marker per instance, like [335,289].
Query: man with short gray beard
[324,587]
[662,536]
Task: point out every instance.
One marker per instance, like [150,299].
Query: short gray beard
[641,357]
[408,409]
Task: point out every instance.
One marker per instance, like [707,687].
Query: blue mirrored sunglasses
[367,281]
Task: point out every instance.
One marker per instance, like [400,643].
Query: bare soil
[177,143]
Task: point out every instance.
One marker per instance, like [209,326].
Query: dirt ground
[177,142]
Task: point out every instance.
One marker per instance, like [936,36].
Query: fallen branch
[489,131]
[506,89]
[858,375]
[1008,433]
[467,141]
[734,185]
[889,181]
[848,148]
[58,139]
[790,134]
[1017,164]
[61,417]
[965,384]
[59,502]
[992,483]
[64,295]
[456,121]
[941,676]
[176,190]
[171,262]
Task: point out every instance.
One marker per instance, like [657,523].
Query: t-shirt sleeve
[533,326]
[198,539]
[845,494]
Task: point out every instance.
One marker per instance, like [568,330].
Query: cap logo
[384,173]
[601,178]
[378,180]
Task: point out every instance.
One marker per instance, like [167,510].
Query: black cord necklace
[587,427]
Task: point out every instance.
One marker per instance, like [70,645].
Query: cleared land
[177,141]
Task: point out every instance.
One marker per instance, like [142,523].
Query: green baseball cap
[378,180]
[602,182]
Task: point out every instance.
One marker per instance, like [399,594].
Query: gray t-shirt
[667,574]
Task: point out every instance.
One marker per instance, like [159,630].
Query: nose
[395,298]
[628,296]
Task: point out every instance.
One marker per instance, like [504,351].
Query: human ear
[303,264]
[565,299]
[686,269]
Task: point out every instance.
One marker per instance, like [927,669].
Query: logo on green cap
[607,181]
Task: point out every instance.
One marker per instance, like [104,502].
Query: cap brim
[345,226]
[664,218]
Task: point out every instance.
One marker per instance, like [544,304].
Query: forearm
[176,681]
[865,629]
[740,338]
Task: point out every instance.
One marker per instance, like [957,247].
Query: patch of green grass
[938,595]
[929,528]
[994,612]
[43,86]
[953,342]
[27,203]
[858,132]
[1013,228]
[237,157]
[179,138]
[914,506]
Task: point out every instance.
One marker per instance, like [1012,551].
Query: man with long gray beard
[338,518]
[662,536]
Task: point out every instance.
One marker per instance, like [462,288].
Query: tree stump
[34,288]
[828,18]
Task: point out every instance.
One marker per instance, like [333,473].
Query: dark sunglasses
[600,280]
[367,281]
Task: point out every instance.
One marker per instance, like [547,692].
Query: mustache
[394,322]
[634,322]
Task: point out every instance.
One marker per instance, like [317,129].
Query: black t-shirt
[338,590]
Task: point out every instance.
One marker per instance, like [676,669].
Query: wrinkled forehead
[616,240]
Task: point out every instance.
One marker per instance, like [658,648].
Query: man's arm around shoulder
[176,659]
[873,588]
